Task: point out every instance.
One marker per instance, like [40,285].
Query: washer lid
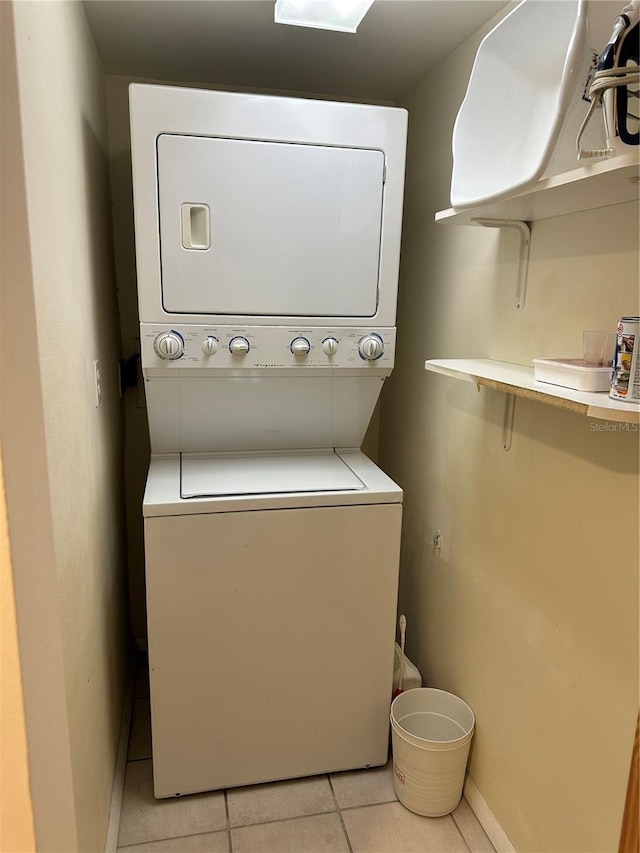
[219,474]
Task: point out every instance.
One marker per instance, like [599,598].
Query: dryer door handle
[196,231]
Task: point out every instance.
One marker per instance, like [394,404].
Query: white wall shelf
[517,380]
[597,184]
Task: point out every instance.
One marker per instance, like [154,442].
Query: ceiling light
[342,15]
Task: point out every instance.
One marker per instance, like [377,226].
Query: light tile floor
[351,812]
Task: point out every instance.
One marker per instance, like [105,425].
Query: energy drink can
[625,376]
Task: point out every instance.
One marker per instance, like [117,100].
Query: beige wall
[530,611]
[16,810]
[63,115]
[27,489]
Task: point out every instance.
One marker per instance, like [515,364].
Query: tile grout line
[230,828]
[281,819]
[210,831]
[370,805]
[342,823]
[226,811]
[132,847]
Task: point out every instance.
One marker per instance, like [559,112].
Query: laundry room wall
[64,147]
[529,611]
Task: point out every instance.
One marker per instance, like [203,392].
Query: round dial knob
[371,347]
[210,345]
[330,346]
[239,346]
[300,346]
[169,345]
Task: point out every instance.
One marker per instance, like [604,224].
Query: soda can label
[625,375]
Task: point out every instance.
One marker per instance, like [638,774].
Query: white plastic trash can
[431,735]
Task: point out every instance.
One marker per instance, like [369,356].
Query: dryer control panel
[271,347]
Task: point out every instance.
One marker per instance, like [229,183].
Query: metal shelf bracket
[525,244]
[507,424]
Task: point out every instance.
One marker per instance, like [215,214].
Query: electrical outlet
[437,541]
[97,376]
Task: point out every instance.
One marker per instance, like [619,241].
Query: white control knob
[300,346]
[169,345]
[371,347]
[239,346]
[330,346]
[210,345]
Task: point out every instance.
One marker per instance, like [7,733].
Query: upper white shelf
[518,380]
[597,184]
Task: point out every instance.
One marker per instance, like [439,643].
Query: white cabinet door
[269,229]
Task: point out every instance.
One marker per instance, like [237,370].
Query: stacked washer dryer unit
[268,241]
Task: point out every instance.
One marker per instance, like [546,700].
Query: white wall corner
[115,809]
[486,818]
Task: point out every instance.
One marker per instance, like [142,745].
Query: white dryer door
[268,228]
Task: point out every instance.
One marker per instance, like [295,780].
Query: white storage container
[411,677]
[524,76]
[572,373]
[431,735]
